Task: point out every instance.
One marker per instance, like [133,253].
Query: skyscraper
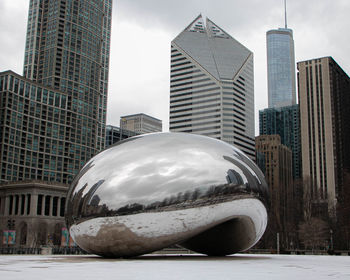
[212,85]
[284,121]
[52,120]
[67,49]
[282,115]
[324,98]
[280,67]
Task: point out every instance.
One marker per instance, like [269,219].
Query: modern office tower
[324,98]
[140,123]
[284,121]
[67,49]
[34,121]
[52,120]
[280,66]
[278,174]
[115,134]
[212,85]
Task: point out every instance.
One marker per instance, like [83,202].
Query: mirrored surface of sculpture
[156,190]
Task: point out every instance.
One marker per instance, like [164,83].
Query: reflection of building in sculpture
[162,189]
[140,123]
[278,174]
[212,85]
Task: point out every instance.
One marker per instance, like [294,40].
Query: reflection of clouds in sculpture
[123,184]
[163,172]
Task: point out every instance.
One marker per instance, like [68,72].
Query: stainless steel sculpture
[155,190]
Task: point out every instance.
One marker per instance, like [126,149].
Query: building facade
[32,214]
[115,134]
[284,121]
[52,119]
[212,85]
[34,130]
[278,174]
[324,98]
[280,67]
[67,49]
[140,123]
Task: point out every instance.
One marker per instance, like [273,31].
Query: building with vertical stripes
[212,85]
[324,98]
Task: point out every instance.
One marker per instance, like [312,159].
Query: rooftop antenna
[285,14]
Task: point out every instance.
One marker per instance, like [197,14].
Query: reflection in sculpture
[156,190]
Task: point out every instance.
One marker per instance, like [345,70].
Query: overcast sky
[142,31]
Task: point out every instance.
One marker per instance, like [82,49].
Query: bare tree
[307,198]
[314,233]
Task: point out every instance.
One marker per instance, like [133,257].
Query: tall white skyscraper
[212,85]
[280,67]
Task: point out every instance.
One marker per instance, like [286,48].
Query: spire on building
[285,14]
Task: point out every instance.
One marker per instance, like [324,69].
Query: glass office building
[66,56]
[285,122]
[52,119]
[115,134]
[67,49]
[33,131]
[212,85]
[280,67]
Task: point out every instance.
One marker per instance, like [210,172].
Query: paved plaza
[240,266]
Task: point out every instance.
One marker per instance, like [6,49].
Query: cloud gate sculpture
[152,191]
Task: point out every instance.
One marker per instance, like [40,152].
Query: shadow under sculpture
[156,190]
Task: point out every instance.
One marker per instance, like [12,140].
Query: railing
[166,251]
[20,251]
[42,250]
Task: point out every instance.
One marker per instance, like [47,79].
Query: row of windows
[27,91]
[174,100]
[193,92]
[193,87]
[195,124]
[194,114]
[173,85]
[196,119]
[195,102]
[46,205]
[195,108]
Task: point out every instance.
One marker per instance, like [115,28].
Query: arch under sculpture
[152,191]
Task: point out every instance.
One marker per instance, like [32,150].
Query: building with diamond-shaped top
[212,85]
